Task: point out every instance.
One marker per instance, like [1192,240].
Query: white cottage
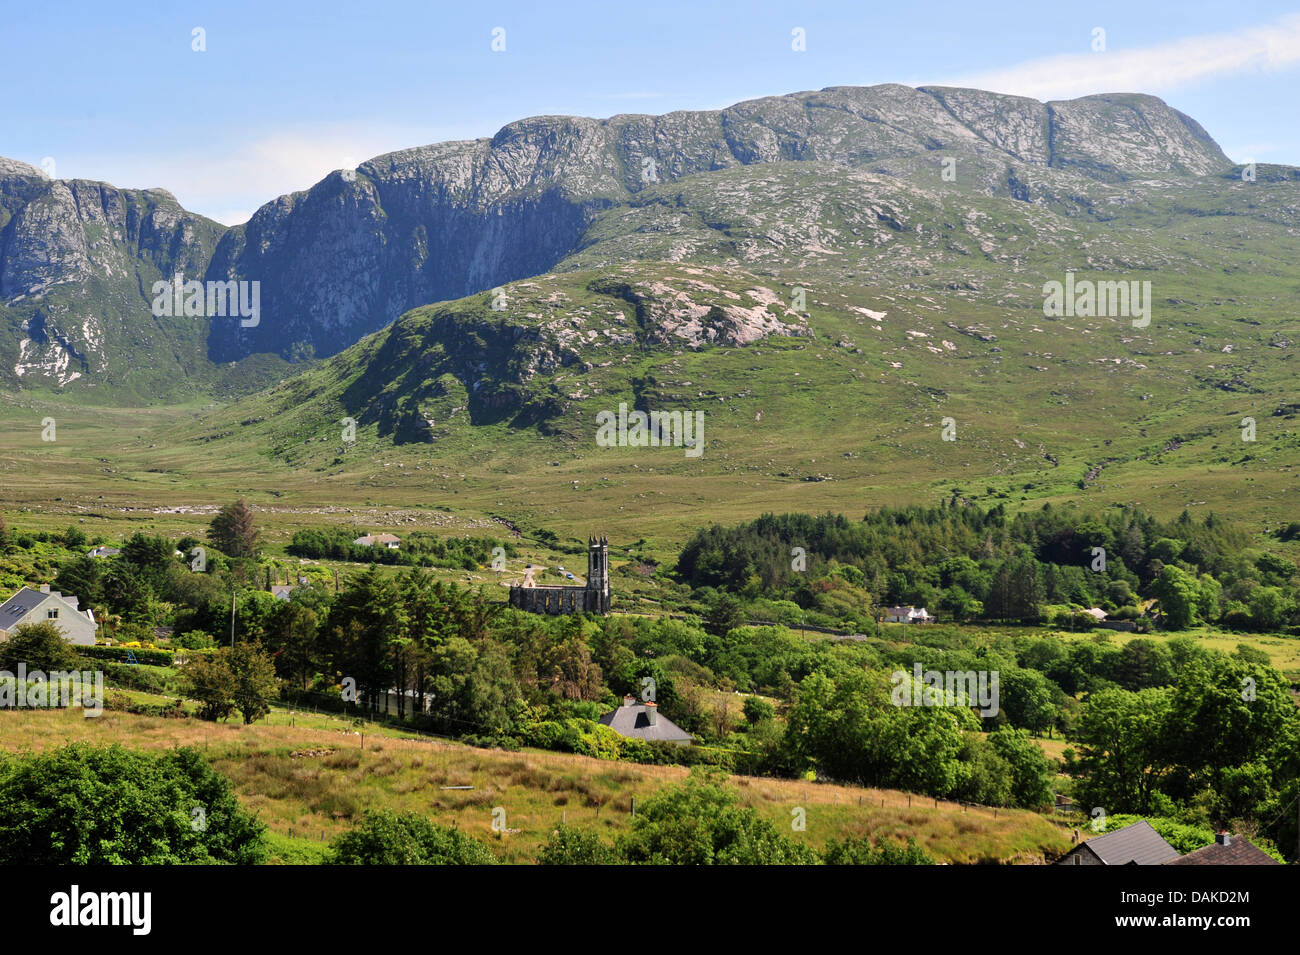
[907,615]
[36,606]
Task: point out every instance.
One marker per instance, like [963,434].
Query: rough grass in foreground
[309,783]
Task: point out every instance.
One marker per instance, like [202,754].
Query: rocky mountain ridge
[348,256]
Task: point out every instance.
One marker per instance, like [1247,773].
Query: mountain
[440,222]
[775,183]
[77,262]
[831,280]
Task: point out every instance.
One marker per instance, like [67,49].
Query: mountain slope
[345,258]
[78,260]
[440,222]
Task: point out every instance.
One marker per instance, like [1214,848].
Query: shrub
[700,823]
[570,846]
[860,851]
[39,646]
[387,838]
[194,640]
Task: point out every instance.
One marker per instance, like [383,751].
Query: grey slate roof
[1136,844]
[19,605]
[631,720]
[1238,851]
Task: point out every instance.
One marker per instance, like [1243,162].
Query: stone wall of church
[591,598]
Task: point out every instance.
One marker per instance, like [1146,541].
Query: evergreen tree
[232,531]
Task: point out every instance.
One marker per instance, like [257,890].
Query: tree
[1226,713]
[1016,591]
[127,593]
[151,554]
[81,577]
[1125,751]
[254,675]
[383,837]
[758,710]
[849,730]
[566,665]
[700,823]
[725,615]
[38,646]
[74,538]
[960,605]
[1144,663]
[1269,608]
[291,634]
[364,620]
[1029,769]
[232,531]
[1180,597]
[1026,699]
[209,680]
[90,805]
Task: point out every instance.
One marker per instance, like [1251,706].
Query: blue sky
[285,92]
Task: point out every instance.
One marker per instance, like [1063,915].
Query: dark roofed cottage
[1225,850]
[1136,844]
[641,720]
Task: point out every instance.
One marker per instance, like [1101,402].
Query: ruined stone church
[592,597]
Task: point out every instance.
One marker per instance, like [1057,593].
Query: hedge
[161,658]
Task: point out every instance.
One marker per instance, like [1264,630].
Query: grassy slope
[845,420]
[331,781]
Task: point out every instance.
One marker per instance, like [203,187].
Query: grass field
[310,779]
[844,419]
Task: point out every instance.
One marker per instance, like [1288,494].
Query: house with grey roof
[639,719]
[38,606]
[1136,844]
[1227,850]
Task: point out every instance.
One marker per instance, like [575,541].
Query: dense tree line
[972,563]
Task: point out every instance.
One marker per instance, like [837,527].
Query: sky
[281,93]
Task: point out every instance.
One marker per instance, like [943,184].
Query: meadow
[308,776]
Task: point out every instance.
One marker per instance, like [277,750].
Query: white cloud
[1154,69]
[228,183]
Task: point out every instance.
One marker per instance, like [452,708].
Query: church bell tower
[597,596]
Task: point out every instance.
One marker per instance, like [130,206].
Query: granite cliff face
[77,262]
[781,182]
[443,221]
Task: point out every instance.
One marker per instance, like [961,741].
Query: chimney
[629,699]
[45,588]
[651,713]
[1223,838]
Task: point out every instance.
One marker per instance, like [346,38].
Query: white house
[103,550]
[907,615]
[384,540]
[35,606]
